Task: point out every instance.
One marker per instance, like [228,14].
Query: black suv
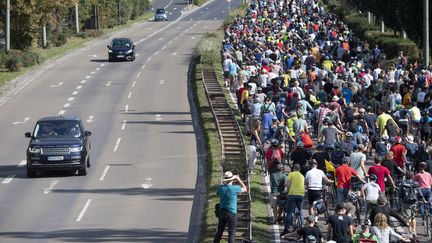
[121,48]
[58,143]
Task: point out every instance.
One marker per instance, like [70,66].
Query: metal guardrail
[233,148]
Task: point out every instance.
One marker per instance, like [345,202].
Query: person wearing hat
[339,225]
[365,233]
[227,193]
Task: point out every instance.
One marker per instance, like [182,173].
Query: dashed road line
[162,81]
[123,125]
[8,179]
[169,43]
[26,119]
[88,76]
[138,74]
[163,47]
[126,108]
[158,117]
[156,53]
[143,66]
[79,87]
[175,53]
[103,64]
[75,93]
[83,210]
[83,81]
[51,186]
[133,84]
[148,59]
[97,69]
[129,95]
[104,173]
[22,163]
[92,73]
[117,144]
[66,105]
[61,112]
[71,98]
[147,184]
[90,119]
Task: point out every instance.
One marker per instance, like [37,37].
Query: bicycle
[355,200]
[427,218]
[261,159]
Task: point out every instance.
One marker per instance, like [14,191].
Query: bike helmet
[311,239]
[300,144]
[373,177]
[367,222]
[274,142]
[423,165]
[352,196]
[349,134]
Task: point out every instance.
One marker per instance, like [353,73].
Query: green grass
[73,43]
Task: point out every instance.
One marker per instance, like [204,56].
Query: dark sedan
[121,49]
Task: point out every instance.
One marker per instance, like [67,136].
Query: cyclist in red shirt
[381,172]
[399,152]
[343,176]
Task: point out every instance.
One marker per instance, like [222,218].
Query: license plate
[120,56]
[55,158]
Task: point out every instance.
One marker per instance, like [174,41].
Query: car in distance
[58,143]
[121,49]
[160,15]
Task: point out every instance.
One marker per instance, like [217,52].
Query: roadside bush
[13,60]
[3,56]
[208,48]
[95,33]
[82,34]
[29,58]
[59,39]
[112,22]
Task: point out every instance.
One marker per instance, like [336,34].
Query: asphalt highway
[142,182]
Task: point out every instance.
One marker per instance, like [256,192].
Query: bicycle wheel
[263,166]
[428,226]
[296,222]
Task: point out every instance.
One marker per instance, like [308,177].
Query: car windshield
[160,11]
[57,129]
[120,43]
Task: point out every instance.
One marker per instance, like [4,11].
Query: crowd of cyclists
[317,99]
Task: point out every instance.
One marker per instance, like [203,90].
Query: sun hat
[228,176]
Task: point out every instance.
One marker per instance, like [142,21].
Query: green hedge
[392,45]
[208,48]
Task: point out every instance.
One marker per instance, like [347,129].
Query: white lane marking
[79,87]
[207,8]
[169,43]
[274,228]
[97,69]
[103,64]
[178,27]
[123,125]
[71,98]
[88,76]
[56,85]
[94,55]
[148,59]
[126,108]
[75,93]
[175,53]
[156,53]
[147,184]
[90,119]
[83,210]
[160,38]
[104,173]
[66,105]
[61,112]
[108,83]
[174,8]
[138,74]
[8,179]
[158,117]
[163,47]
[191,19]
[117,144]
[83,81]
[129,95]
[143,66]
[193,37]
[176,38]
[51,186]
[133,84]
[162,81]
[205,26]
[137,54]
[223,11]
[22,163]
[92,73]
[215,18]
[25,120]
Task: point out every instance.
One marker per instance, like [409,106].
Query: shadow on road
[99,60]
[100,235]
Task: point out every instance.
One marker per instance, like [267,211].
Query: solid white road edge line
[83,210]
[117,144]
[104,173]
[8,179]
[49,189]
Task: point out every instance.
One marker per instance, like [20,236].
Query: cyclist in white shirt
[370,192]
[313,180]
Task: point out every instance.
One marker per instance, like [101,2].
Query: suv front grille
[55,151]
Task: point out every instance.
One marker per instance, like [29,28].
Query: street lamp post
[229,6]
[7,25]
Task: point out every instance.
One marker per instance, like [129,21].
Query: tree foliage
[29,16]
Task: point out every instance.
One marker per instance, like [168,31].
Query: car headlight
[76,149]
[109,51]
[34,150]
[130,51]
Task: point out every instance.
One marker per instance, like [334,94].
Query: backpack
[368,239]
[409,195]
[281,134]
[337,157]
[275,157]
[306,139]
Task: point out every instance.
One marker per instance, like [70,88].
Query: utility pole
[44,36]
[77,18]
[7,25]
[229,6]
[426,33]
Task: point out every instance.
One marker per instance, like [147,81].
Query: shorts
[409,211]
[275,200]
[314,195]
[226,74]
[350,208]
